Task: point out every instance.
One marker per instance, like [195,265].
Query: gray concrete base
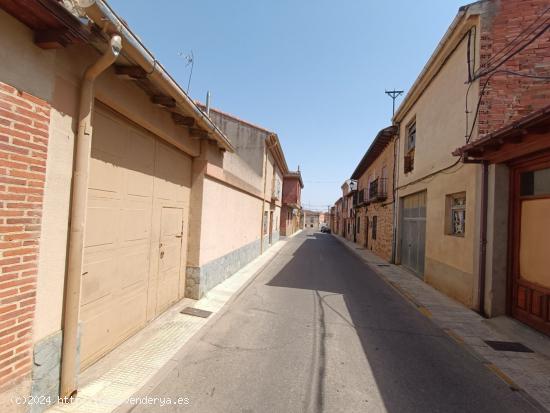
[46,369]
[200,280]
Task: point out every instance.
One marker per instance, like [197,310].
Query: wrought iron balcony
[378,190]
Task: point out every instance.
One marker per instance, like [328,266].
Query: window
[384,180]
[411,136]
[535,183]
[456,214]
[358,226]
[410,145]
[374,224]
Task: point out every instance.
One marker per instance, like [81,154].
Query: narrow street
[317,330]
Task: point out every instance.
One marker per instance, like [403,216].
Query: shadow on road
[415,365]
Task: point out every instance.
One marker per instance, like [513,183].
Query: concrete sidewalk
[110,383]
[526,372]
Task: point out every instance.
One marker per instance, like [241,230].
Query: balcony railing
[378,190]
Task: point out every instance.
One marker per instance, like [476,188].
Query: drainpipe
[395,200]
[78,218]
[483,236]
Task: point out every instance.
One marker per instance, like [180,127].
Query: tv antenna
[394,94]
[189,61]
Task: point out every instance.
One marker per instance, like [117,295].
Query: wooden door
[530,243]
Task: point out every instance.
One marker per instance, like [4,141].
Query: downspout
[483,236]
[83,144]
[396,143]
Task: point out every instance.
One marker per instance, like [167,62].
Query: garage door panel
[110,133]
[134,266]
[139,164]
[131,313]
[105,175]
[102,225]
[97,334]
[136,223]
[99,279]
[139,184]
[173,174]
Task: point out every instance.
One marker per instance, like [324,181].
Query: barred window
[456,214]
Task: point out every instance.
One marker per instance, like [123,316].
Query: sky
[313,71]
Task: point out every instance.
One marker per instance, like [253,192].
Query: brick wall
[24,121]
[508,98]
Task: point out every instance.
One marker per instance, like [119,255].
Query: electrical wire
[510,44]
[502,71]
[507,57]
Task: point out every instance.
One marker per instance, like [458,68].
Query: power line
[510,44]
[508,56]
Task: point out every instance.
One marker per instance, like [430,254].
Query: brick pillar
[24,122]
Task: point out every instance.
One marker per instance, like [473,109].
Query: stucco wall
[248,160]
[440,118]
[451,261]
[24,66]
[230,220]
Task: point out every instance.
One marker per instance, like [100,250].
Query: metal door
[171,231]
[413,232]
[133,177]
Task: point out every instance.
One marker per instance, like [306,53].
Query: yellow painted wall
[451,262]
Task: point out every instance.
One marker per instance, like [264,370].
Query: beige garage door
[136,232]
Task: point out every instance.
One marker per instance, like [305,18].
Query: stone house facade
[375,201]
[349,199]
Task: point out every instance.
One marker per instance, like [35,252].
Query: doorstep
[109,383]
[525,372]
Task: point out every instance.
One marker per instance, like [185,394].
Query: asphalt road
[318,331]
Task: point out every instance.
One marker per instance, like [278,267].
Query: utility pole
[394,94]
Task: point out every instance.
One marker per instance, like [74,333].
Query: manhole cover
[197,312]
[508,346]
[383,265]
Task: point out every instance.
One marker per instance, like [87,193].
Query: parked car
[325,229]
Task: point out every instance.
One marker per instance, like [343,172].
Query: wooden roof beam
[164,101]
[51,39]
[197,133]
[130,72]
[183,120]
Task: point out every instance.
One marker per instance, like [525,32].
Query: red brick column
[24,121]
